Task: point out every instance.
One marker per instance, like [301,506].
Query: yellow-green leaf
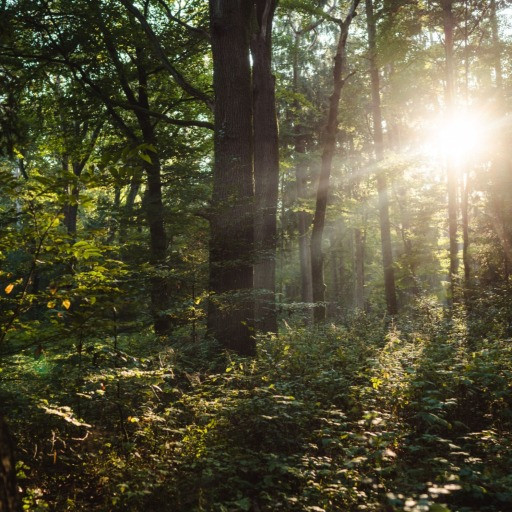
[66,303]
[9,288]
[145,157]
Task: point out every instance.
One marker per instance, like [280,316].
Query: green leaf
[145,157]
[436,507]
[244,504]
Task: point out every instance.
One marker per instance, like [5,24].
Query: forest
[256,255]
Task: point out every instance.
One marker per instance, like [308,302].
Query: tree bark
[448,27]
[329,146]
[266,167]
[8,489]
[232,306]
[382,185]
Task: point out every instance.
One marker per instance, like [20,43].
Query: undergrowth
[412,416]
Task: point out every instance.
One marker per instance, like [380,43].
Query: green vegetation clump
[412,416]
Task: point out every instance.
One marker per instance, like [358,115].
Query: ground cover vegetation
[255,255]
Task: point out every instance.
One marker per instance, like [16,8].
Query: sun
[461,136]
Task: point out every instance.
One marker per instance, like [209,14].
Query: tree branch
[157,47]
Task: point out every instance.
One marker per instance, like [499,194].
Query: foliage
[362,413]
[360,417]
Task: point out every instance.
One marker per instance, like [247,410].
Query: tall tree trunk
[301,176]
[496,43]
[465,229]
[155,214]
[499,216]
[266,167]
[500,161]
[382,185]
[8,489]
[231,308]
[303,219]
[154,208]
[359,249]
[329,146]
[153,203]
[335,296]
[71,209]
[448,26]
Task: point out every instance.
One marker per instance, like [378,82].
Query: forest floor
[410,416]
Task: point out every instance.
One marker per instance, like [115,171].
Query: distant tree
[382,182]
[328,149]
[448,28]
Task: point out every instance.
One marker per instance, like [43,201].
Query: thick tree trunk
[329,146]
[448,26]
[231,308]
[382,185]
[266,167]
[8,489]
[154,208]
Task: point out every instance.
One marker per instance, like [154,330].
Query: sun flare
[461,136]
